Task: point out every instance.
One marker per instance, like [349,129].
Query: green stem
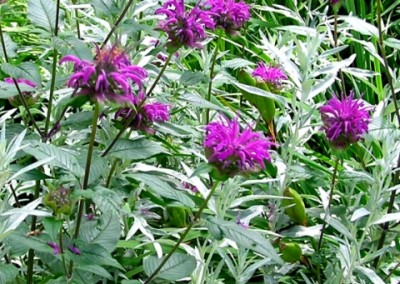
[60,242]
[116,24]
[132,117]
[183,236]
[112,170]
[335,170]
[213,61]
[31,253]
[87,174]
[396,178]
[53,74]
[78,29]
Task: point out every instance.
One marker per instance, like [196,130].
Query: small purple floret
[56,248]
[345,120]
[184,28]
[74,250]
[269,74]
[229,14]
[234,151]
[20,81]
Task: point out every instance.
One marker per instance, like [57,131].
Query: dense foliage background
[87,199]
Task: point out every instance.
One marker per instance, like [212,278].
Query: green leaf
[95,269]
[94,254]
[11,46]
[42,13]
[260,92]
[138,149]
[108,201]
[8,273]
[26,70]
[98,166]
[177,267]
[52,227]
[29,175]
[106,7]
[236,63]
[360,26]
[79,120]
[199,101]
[191,78]
[62,158]
[104,231]
[72,46]
[163,188]
[246,238]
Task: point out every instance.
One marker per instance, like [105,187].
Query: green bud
[59,200]
[291,252]
[247,79]
[265,106]
[294,207]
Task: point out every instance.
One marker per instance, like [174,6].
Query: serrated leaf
[11,46]
[8,273]
[98,166]
[61,158]
[107,200]
[95,253]
[177,267]
[72,46]
[95,269]
[26,70]
[247,238]
[104,231]
[42,13]
[138,149]
[163,188]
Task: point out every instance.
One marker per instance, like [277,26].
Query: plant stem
[53,74]
[78,29]
[150,91]
[87,174]
[132,116]
[329,203]
[116,24]
[183,236]
[31,253]
[60,242]
[396,177]
[112,170]
[21,95]
[213,61]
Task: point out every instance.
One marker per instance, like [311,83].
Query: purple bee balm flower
[56,248]
[184,28]
[229,14]
[269,74]
[344,120]
[108,77]
[74,250]
[145,115]
[234,151]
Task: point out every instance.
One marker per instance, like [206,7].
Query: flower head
[56,248]
[344,120]
[145,114]
[108,77]
[184,28]
[234,151]
[269,74]
[229,14]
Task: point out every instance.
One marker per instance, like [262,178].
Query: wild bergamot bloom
[344,120]
[235,151]
[184,28]
[146,113]
[269,74]
[108,77]
[229,14]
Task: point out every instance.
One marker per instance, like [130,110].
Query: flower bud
[294,207]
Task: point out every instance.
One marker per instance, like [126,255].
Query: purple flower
[344,120]
[108,77]
[269,74]
[145,114]
[333,2]
[56,248]
[74,250]
[184,28]
[191,187]
[234,151]
[20,81]
[228,14]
